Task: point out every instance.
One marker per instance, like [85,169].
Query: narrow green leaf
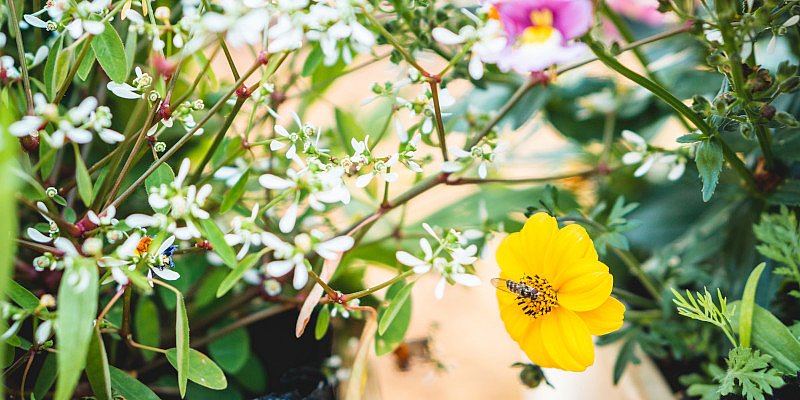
[388,341]
[18,294]
[130,51]
[146,329]
[394,308]
[110,53]
[83,179]
[8,189]
[47,158]
[313,60]
[236,274]
[46,377]
[772,337]
[323,320]
[201,369]
[77,309]
[86,64]
[231,351]
[97,367]
[709,161]
[748,302]
[217,240]
[182,342]
[125,386]
[54,68]
[236,192]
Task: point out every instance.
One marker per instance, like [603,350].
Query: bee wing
[502,285]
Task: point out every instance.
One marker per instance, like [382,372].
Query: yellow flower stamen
[494,14]
[541,27]
[544,301]
[143,246]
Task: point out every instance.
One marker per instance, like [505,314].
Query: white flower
[123,90]
[382,168]
[243,24]
[292,257]
[641,153]
[244,232]
[487,42]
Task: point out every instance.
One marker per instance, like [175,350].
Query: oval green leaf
[110,53]
[217,239]
[202,370]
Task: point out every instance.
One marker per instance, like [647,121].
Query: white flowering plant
[188,186]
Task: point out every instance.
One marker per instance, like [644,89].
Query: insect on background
[516,288]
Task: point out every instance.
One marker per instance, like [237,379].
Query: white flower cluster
[485,155]
[648,156]
[485,38]
[77,124]
[75,17]
[452,259]
[292,256]
[183,204]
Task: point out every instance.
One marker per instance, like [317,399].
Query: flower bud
[787,119]
[93,246]
[272,287]
[198,105]
[767,111]
[160,147]
[51,192]
[162,13]
[47,301]
[42,262]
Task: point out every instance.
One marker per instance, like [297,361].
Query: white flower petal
[166,274]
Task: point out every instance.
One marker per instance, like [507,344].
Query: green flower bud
[787,119]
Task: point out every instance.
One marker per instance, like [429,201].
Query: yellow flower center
[143,246]
[541,27]
[544,301]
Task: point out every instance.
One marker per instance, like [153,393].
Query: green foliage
[779,235]
[110,53]
[748,374]
[702,307]
[709,159]
[773,338]
[200,369]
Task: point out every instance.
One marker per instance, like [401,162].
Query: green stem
[218,139]
[185,138]
[438,115]
[26,82]
[371,290]
[677,105]
[393,41]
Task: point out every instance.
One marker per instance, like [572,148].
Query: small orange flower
[573,293]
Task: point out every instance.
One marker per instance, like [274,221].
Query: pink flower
[540,33]
[641,10]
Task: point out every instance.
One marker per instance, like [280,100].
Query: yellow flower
[573,302]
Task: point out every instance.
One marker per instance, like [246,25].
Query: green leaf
[182,362]
[709,161]
[252,376]
[130,50]
[313,60]
[8,213]
[46,377]
[77,309]
[83,179]
[163,175]
[125,386]
[748,302]
[393,337]
[690,138]
[97,367]
[146,327]
[86,64]
[772,337]
[748,375]
[110,53]
[236,192]
[217,240]
[394,308]
[347,127]
[626,356]
[231,351]
[18,294]
[55,69]
[236,274]
[323,320]
[201,369]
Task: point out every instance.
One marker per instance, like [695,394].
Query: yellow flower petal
[575,270]
[535,348]
[586,292]
[567,340]
[538,235]
[604,319]
[513,257]
[571,245]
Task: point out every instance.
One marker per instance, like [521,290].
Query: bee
[518,288]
